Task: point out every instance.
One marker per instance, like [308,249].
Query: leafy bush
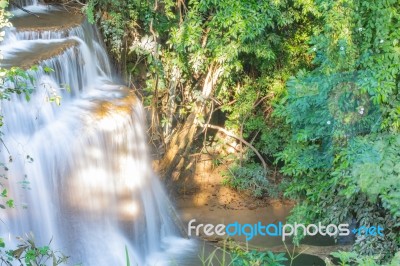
[334,125]
[29,254]
[352,258]
[257,258]
[251,177]
[344,116]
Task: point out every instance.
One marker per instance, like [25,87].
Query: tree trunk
[181,141]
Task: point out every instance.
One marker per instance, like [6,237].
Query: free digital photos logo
[279,230]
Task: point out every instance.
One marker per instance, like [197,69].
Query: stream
[89,186]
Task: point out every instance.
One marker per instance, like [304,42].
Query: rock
[252,207]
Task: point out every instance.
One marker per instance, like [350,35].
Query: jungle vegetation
[307,87]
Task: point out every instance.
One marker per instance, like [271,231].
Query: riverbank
[199,194]
[204,198]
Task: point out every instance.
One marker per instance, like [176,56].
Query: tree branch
[23,9]
[232,135]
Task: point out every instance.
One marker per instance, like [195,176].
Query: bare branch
[232,135]
[23,9]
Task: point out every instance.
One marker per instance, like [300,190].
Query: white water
[91,188]
[24,3]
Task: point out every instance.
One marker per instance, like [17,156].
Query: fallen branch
[23,9]
[230,134]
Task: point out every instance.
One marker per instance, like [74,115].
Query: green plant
[29,254]
[255,258]
[292,255]
[232,254]
[128,263]
[352,258]
[344,118]
[312,85]
[248,177]
[214,258]
[16,81]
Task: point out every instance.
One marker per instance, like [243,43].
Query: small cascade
[24,3]
[90,186]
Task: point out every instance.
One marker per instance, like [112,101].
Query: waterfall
[90,186]
[24,3]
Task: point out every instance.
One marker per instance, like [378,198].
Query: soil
[199,194]
[205,189]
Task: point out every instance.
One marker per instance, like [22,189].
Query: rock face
[36,38]
[31,53]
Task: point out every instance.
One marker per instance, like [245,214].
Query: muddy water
[271,214]
[266,215]
[204,198]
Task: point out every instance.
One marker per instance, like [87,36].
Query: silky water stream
[90,187]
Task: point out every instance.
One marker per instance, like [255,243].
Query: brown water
[271,214]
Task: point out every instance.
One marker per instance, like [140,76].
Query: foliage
[29,254]
[344,117]
[15,81]
[19,82]
[377,169]
[128,263]
[197,38]
[118,21]
[8,201]
[312,85]
[4,18]
[233,254]
[250,177]
[254,258]
[352,258]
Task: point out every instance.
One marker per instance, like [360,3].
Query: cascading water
[91,187]
[23,3]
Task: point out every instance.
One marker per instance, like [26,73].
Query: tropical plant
[29,254]
[312,86]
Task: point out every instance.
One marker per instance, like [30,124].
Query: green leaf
[47,69]
[128,263]
[27,96]
[10,203]
[3,4]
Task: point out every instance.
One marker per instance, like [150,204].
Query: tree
[310,85]
[344,116]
